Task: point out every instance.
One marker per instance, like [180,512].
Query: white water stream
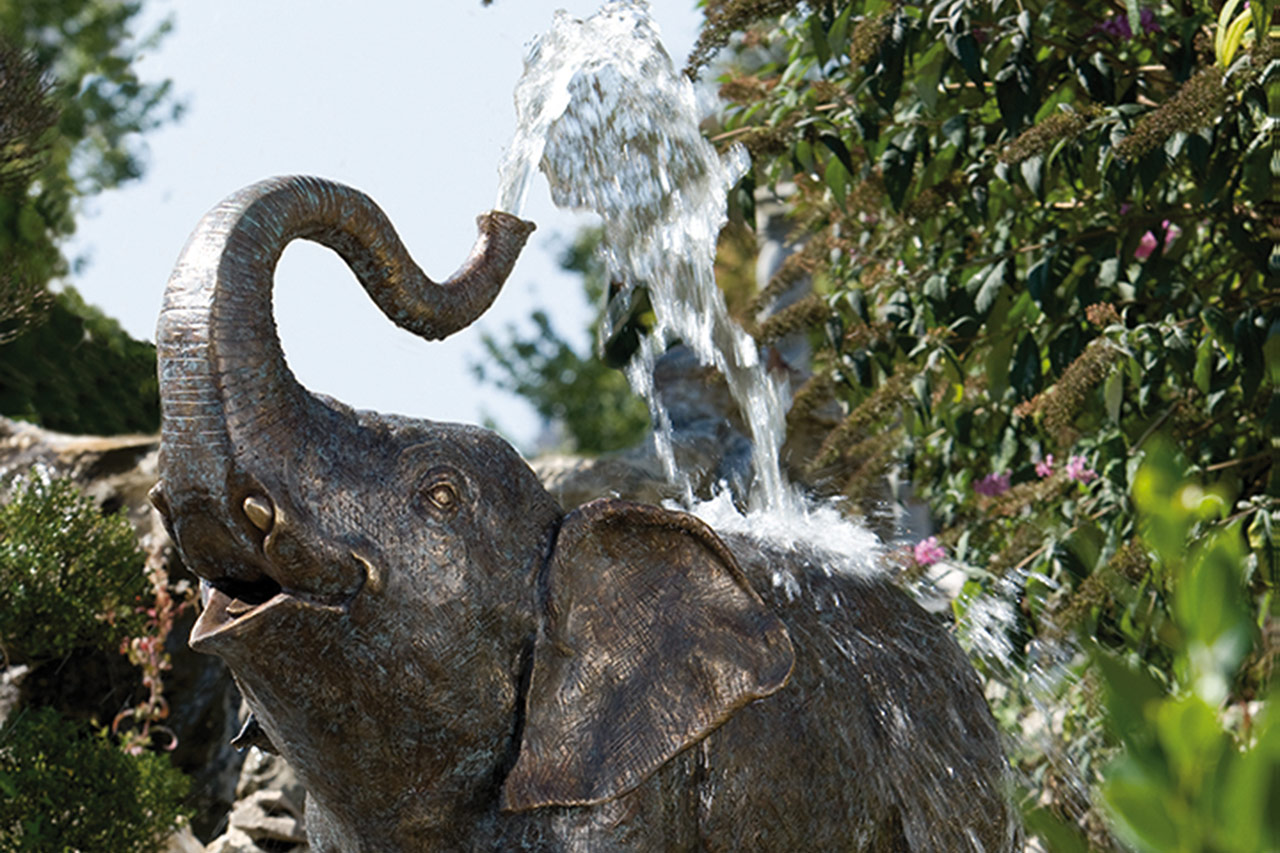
[613,125]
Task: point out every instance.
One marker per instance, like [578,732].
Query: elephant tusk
[372,576]
[260,512]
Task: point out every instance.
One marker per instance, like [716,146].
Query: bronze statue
[450,662]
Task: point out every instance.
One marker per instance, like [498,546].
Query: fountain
[450,660]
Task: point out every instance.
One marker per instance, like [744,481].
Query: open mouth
[230,606]
[229,602]
[246,595]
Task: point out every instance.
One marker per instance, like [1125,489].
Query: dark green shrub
[70,577]
[64,786]
[79,372]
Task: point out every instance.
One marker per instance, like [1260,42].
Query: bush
[70,577]
[67,787]
[79,372]
[1190,777]
[1039,234]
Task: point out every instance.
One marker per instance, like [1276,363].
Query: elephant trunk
[229,402]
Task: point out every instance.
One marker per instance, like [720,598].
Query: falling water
[604,113]
[615,128]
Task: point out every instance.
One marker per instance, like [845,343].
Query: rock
[116,471]
[268,813]
[183,841]
[263,771]
[11,688]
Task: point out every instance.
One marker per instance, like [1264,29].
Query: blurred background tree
[73,113]
[72,580]
[585,396]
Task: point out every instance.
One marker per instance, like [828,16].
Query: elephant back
[882,734]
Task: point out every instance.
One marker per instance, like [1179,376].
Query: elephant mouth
[229,605]
[233,608]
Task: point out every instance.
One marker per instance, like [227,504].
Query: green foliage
[70,577]
[27,115]
[80,372]
[590,399]
[67,787]
[71,111]
[86,50]
[1045,232]
[1189,779]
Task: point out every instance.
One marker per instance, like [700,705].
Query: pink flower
[1044,467]
[928,551]
[1146,246]
[1078,469]
[1149,241]
[992,485]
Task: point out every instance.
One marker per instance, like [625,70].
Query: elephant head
[413,621]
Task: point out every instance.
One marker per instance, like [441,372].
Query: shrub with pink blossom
[927,551]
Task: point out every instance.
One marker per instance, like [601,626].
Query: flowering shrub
[148,653]
[927,551]
[72,578]
[1038,232]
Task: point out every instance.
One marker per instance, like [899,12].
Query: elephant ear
[652,638]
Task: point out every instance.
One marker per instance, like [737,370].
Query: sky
[408,101]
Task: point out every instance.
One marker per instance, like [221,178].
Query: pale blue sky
[410,102]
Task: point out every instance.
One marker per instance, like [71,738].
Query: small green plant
[1198,770]
[70,576]
[64,786]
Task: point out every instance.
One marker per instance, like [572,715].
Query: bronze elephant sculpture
[451,662]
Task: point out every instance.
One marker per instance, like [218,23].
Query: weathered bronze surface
[451,663]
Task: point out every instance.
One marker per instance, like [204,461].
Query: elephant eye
[440,492]
[442,496]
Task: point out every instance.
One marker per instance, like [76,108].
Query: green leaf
[991,286]
[1061,836]
[837,39]
[837,178]
[1040,284]
[804,156]
[1249,343]
[1211,610]
[897,165]
[1113,394]
[964,48]
[1001,348]
[1271,353]
[1032,170]
[1135,16]
[956,130]
[837,147]
[1203,374]
[1025,374]
[818,38]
